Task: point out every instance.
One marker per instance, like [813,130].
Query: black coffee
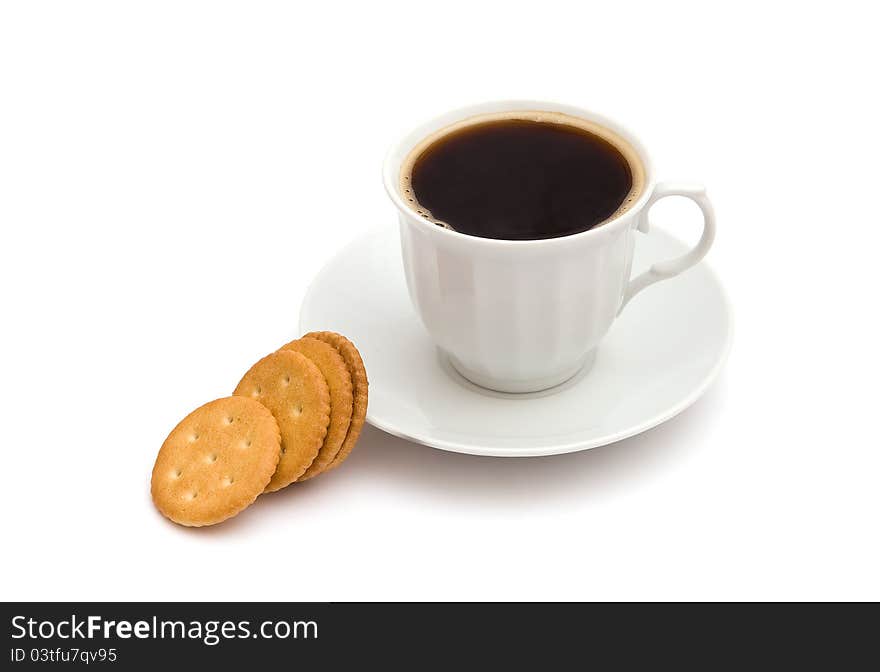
[520,179]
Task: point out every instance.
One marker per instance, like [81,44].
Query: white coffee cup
[525,315]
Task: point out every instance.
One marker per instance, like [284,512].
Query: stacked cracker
[296,414]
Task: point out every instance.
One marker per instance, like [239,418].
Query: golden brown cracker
[335,371]
[360,388]
[296,393]
[216,462]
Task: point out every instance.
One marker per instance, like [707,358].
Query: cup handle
[668,269]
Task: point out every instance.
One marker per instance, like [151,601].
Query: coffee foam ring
[636,165]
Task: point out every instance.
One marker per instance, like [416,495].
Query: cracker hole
[283,450]
[177,473]
[246,443]
[193,437]
[227,481]
[297,410]
[210,459]
[192,495]
[229,420]
[287,380]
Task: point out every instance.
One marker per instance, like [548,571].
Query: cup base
[513,386]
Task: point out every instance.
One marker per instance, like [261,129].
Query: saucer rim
[546,450]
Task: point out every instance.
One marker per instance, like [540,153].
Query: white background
[172,175]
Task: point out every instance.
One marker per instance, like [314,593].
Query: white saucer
[659,357]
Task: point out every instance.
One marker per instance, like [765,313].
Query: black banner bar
[133,635]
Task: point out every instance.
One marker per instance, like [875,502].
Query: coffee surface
[519,179]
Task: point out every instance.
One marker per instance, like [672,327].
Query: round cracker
[360,388]
[216,462]
[335,371]
[295,391]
